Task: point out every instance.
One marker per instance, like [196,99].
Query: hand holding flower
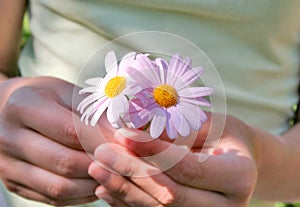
[226,178]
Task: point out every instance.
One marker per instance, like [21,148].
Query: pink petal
[127,61]
[174,63]
[192,114]
[196,101]
[139,77]
[179,121]
[185,66]
[195,92]
[192,75]
[147,67]
[171,130]
[111,62]
[173,68]
[158,122]
[163,67]
[139,118]
[139,110]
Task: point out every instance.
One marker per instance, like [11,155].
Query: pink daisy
[167,99]
[110,92]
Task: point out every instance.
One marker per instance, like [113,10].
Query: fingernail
[100,193]
[93,166]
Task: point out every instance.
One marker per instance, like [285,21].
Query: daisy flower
[110,92]
[167,99]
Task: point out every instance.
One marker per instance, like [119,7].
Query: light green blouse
[252,43]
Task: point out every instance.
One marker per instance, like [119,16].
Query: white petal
[89,100]
[111,62]
[91,89]
[120,104]
[92,108]
[94,81]
[117,107]
[99,112]
[158,122]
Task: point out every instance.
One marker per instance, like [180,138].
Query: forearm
[2,77]
[12,12]
[278,165]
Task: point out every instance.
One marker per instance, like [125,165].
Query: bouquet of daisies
[147,93]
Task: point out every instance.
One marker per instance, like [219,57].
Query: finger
[159,186]
[33,195]
[48,155]
[45,182]
[121,188]
[110,198]
[40,110]
[189,169]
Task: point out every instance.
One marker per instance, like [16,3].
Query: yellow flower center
[115,86]
[165,95]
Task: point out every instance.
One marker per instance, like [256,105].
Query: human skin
[35,140]
[246,162]
[40,155]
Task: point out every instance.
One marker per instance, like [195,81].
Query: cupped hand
[132,173]
[40,155]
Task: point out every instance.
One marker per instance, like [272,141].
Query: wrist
[271,157]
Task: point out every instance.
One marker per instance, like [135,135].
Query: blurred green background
[26,34]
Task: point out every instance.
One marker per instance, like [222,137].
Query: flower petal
[89,100]
[139,77]
[163,67]
[149,68]
[192,114]
[171,130]
[192,75]
[158,122]
[94,81]
[91,89]
[195,92]
[111,63]
[91,109]
[196,101]
[102,107]
[118,106]
[179,121]
[128,60]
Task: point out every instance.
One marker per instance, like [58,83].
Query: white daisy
[110,92]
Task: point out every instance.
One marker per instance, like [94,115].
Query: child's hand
[226,178]
[40,155]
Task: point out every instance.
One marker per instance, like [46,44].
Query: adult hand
[131,173]
[40,155]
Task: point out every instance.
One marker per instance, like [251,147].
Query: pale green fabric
[253,44]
